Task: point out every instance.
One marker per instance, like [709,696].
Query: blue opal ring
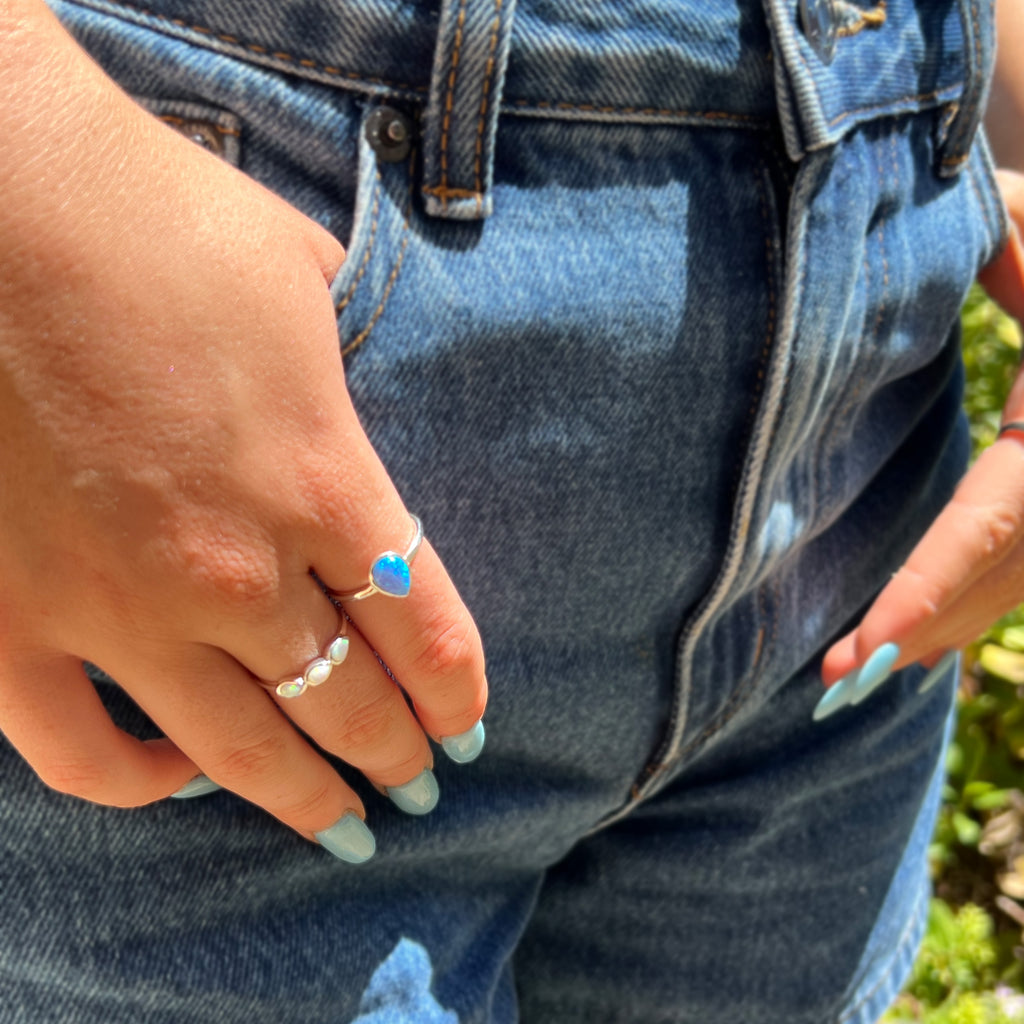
[390,573]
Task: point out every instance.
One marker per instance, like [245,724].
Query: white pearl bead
[291,687]
[318,671]
[337,652]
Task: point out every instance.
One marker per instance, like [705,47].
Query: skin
[179,451]
[162,523]
[968,569]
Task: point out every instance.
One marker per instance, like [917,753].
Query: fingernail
[416,797]
[875,671]
[938,671]
[199,786]
[466,746]
[348,839]
[836,696]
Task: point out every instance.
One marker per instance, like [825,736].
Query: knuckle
[1000,527]
[85,778]
[250,760]
[924,595]
[370,725]
[234,573]
[993,528]
[454,649]
[311,810]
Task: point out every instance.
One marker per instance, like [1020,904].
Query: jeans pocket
[215,130]
[297,137]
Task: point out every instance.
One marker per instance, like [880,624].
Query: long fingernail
[875,671]
[466,746]
[836,696]
[348,839]
[418,796]
[938,671]
[199,786]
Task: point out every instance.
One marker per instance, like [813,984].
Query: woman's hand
[178,453]
[968,569]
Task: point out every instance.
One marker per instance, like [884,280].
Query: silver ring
[318,671]
[389,573]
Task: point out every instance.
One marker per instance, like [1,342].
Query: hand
[968,569]
[179,451]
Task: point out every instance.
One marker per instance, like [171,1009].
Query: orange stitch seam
[175,119]
[374,224]
[449,98]
[444,193]
[257,48]
[365,332]
[920,97]
[481,121]
[873,18]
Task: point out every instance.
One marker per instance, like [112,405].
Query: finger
[361,716]
[975,532]
[211,708]
[51,713]
[427,639]
[993,595]
[357,712]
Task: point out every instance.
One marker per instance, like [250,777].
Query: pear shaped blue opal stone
[390,575]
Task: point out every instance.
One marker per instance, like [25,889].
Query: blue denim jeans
[655,329]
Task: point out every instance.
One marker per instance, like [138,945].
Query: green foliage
[992,349]
[955,978]
[971,966]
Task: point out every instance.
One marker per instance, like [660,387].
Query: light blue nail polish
[348,839]
[466,746]
[418,796]
[836,696]
[875,671]
[199,786]
[938,671]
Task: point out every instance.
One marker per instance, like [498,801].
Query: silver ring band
[318,671]
[390,573]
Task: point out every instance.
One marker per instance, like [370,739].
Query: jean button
[819,20]
[389,133]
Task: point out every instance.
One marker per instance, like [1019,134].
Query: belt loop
[461,118]
[958,128]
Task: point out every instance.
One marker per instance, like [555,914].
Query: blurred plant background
[971,966]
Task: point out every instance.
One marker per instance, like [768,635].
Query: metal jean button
[820,22]
[389,133]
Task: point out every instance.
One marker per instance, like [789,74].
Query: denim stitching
[220,129]
[481,121]
[442,189]
[742,692]
[389,286]
[355,76]
[919,98]
[374,224]
[595,108]
[960,153]
[993,230]
[450,193]
[901,943]
[305,62]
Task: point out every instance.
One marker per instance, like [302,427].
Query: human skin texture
[179,452]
